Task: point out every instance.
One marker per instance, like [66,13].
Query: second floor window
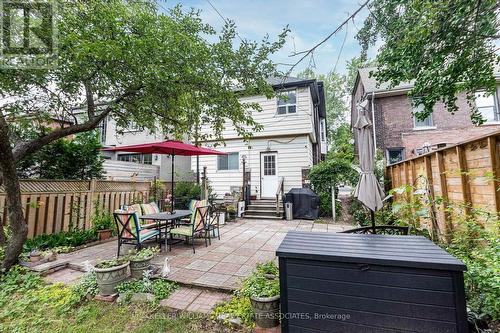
[487,106]
[228,162]
[424,123]
[287,102]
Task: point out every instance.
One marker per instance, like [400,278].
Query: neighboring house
[125,165]
[400,135]
[293,139]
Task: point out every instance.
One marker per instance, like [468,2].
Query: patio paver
[223,264]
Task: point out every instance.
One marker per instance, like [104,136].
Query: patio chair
[213,223]
[196,227]
[130,230]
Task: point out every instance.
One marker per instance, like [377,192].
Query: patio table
[169,219]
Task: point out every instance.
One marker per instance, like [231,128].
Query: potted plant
[110,273]
[231,212]
[140,261]
[35,255]
[263,289]
[103,224]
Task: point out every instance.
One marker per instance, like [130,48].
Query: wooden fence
[52,206]
[465,175]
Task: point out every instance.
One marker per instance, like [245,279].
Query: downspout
[373,122]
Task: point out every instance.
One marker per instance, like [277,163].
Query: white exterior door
[269,174]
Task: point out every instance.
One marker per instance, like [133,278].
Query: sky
[309,20]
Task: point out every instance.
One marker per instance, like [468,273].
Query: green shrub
[102,220]
[86,287]
[184,192]
[161,289]
[61,239]
[237,307]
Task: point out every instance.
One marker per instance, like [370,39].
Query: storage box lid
[404,251]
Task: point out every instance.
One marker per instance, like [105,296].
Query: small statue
[166,269]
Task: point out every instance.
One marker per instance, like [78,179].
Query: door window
[269,165]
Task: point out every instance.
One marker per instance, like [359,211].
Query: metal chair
[196,227]
[130,230]
[213,223]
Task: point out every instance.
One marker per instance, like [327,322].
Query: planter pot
[267,311]
[137,267]
[35,257]
[109,278]
[104,234]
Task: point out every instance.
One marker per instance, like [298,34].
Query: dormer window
[287,102]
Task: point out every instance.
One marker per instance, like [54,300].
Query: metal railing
[279,191]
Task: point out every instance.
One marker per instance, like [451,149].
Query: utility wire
[341,48]
[306,53]
[226,21]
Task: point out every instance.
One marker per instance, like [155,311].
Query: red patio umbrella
[168,147]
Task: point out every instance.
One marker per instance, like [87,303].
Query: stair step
[260,212]
[261,208]
[264,217]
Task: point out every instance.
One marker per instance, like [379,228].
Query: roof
[287,80]
[370,83]
[401,251]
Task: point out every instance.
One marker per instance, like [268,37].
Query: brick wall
[394,125]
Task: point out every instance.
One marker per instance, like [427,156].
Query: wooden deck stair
[263,209]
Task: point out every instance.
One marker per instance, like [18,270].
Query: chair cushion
[147,234]
[183,230]
[123,216]
[150,208]
[137,208]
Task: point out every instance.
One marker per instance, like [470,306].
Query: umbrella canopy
[168,147]
[368,189]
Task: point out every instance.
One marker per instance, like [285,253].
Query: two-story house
[400,135]
[293,139]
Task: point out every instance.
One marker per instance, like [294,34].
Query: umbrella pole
[372,214]
[172,201]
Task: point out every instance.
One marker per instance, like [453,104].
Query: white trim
[423,128]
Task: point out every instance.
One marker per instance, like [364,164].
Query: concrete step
[265,217]
[261,208]
[260,212]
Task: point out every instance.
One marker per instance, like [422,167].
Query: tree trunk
[2,233]
[13,199]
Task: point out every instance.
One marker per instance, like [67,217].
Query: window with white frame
[487,106]
[424,123]
[287,102]
[228,162]
[136,158]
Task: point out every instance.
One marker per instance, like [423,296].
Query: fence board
[51,206]
[467,174]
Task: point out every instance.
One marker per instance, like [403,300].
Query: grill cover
[305,203]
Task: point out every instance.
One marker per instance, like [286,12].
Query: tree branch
[32,146]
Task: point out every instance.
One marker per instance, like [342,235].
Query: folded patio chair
[195,228]
[213,223]
[130,230]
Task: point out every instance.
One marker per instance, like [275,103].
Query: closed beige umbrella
[368,189]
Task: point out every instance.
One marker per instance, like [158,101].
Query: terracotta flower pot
[267,311]
[104,234]
[137,267]
[109,278]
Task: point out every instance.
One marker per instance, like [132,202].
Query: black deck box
[369,283]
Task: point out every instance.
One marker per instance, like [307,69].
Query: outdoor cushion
[137,208]
[147,234]
[150,208]
[131,227]
[183,230]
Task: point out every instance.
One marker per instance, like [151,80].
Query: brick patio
[221,265]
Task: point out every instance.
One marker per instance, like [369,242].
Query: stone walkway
[221,265]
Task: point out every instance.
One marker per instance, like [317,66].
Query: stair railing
[279,193]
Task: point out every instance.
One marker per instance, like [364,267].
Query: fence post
[495,168]
[444,194]
[462,165]
[90,203]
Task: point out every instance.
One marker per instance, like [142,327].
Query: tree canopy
[124,59]
[445,47]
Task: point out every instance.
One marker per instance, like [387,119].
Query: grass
[27,304]
[97,317]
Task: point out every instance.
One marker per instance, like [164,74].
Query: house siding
[276,125]
[294,154]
